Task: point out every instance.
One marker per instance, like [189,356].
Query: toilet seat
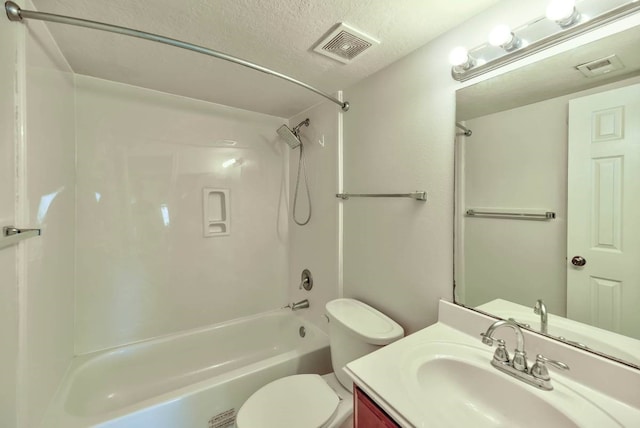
[292,401]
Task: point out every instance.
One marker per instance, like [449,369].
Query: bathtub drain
[225,419]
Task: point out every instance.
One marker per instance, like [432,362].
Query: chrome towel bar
[418,196]
[524,215]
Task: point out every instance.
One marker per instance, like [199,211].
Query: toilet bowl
[313,401]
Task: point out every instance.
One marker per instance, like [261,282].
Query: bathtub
[197,379]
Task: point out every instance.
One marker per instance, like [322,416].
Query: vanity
[442,376]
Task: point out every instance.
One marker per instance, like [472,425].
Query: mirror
[548,197]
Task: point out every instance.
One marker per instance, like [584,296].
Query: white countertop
[384,376]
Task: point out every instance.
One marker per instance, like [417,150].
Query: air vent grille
[345,43]
[601,66]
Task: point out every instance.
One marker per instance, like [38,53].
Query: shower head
[290,136]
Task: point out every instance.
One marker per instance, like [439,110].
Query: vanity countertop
[389,376]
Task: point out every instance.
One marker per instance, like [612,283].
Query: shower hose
[301,165]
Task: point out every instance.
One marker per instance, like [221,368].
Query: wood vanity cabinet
[367,414]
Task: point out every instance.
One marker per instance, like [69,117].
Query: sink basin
[456,385]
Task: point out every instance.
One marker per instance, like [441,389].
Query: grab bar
[12,235]
[418,196]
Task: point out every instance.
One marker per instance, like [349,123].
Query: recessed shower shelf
[215,212]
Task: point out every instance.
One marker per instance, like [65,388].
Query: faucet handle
[306,280]
[501,355]
[539,369]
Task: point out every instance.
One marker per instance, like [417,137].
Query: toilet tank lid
[370,324]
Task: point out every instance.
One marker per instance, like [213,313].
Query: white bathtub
[197,379]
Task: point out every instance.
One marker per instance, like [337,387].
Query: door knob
[578,261]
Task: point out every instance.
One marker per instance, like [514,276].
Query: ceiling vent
[601,66]
[345,43]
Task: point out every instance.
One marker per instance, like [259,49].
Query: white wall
[398,137]
[511,161]
[11,36]
[46,284]
[36,190]
[316,246]
[144,268]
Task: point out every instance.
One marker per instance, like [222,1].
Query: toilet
[313,401]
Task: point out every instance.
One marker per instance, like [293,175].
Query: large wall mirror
[548,197]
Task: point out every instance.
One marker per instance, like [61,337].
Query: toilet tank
[355,330]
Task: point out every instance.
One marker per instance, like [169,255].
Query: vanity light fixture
[563,21]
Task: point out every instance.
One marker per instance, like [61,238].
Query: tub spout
[302,304]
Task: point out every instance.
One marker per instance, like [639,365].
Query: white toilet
[313,401]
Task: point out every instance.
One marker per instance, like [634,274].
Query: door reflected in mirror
[548,196]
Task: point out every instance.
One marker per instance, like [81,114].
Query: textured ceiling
[278,34]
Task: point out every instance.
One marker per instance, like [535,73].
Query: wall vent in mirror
[564,20]
[215,212]
[600,66]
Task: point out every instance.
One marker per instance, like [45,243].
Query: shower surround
[114,176]
[144,268]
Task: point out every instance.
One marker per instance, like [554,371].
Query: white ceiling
[278,34]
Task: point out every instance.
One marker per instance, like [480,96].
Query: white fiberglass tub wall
[186,380]
[144,268]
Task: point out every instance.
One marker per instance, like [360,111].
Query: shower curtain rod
[15,13]
[466,131]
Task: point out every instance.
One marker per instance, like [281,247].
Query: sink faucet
[541,309]
[519,356]
[537,376]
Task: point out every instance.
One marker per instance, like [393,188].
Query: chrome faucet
[302,304]
[517,367]
[541,309]
[519,355]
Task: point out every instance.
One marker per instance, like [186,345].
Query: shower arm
[15,13]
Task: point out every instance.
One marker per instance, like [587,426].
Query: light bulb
[563,12]
[459,56]
[560,9]
[502,36]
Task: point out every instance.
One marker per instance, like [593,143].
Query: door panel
[603,210]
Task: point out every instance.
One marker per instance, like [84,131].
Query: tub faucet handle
[306,280]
